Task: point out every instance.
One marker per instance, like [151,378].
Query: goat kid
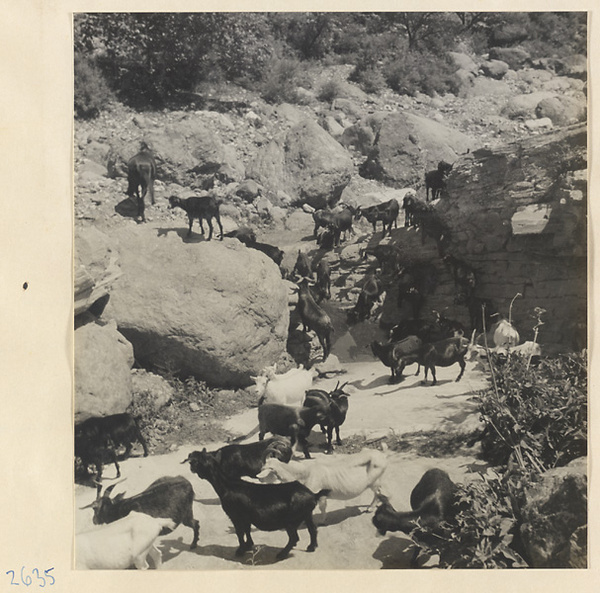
[290,422]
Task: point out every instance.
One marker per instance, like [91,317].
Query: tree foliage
[148,58]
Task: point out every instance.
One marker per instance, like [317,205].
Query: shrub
[536,417]
[280,80]
[331,90]
[91,92]
[423,72]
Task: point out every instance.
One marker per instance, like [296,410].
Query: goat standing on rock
[314,318]
[141,173]
[204,207]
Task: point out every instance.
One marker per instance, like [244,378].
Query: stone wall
[518,215]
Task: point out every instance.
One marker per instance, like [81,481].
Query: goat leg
[462,369]
[293,540]
[312,530]
[338,441]
[190,222]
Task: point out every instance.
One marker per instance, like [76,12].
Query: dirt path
[376,407]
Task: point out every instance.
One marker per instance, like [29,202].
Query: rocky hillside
[515,205]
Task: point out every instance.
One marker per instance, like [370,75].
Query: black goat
[202,208]
[415,283]
[121,429]
[95,450]
[289,422]
[370,293]
[463,274]
[432,330]
[387,213]
[334,405]
[436,180]
[236,461]
[424,216]
[302,268]
[444,353]
[388,257]
[336,221]
[314,318]
[167,497]
[479,310]
[141,173]
[269,507]
[432,500]
[397,355]
[323,285]
[244,234]
[271,251]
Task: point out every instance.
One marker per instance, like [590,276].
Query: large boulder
[523,106]
[96,267]
[463,61]
[187,145]
[494,68]
[554,517]
[103,359]
[515,57]
[574,66]
[407,145]
[563,111]
[309,164]
[215,310]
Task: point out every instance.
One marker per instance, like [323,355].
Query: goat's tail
[246,436]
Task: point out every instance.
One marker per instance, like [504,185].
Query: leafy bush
[191,415]
[330,91]
[423,72]
[91,92]
[280,80]
[536,417]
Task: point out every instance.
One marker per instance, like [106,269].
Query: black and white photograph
[298,295]
[330,290]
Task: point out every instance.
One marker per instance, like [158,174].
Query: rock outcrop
[554,518]
[518,215]
[103,359]
[96,267]
[407,145]
[215,310]
[308,164]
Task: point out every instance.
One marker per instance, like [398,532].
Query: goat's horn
[87,506]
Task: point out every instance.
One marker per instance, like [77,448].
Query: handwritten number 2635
[27,580]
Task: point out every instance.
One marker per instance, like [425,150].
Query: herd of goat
[259,484]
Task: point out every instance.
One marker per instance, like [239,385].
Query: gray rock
[523,106]
[553,512]
[515,57]
[215,310]
[156,390]
[563,111]
[96,267]
[102,362]
[495,69]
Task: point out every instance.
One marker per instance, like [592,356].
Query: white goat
[120,544]
[347,476]
[287,389]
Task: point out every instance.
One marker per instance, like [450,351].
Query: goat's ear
[204,450]
[119,496]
